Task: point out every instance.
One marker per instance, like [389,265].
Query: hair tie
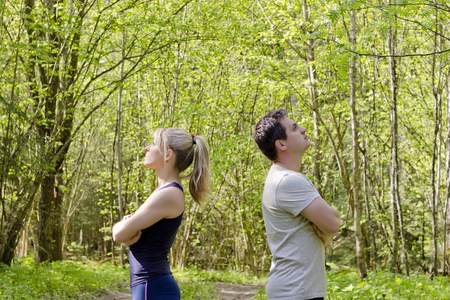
[193,139]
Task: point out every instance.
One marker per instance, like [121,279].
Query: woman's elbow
[116,235]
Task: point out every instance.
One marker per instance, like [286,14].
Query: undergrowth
[26,279]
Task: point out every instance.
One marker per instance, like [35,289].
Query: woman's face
[153,157]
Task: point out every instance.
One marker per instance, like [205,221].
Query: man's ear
[280,145]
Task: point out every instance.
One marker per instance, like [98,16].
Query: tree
[66,56]
[357,210]
[397,214]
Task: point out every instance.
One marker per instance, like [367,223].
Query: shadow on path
[227,292]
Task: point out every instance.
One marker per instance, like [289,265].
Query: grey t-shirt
[298,262]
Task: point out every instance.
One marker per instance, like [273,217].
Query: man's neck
[293,165]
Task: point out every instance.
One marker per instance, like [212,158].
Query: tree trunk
[397,214]
[138,158]
[357,210]
[55,114]
[394,151]
[435,169]
[75,198]
[435,187]
[49,226]
[118,142]
[446,238]
[49,234]
[312,76]
[15,221]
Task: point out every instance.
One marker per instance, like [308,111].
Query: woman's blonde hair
[187,148]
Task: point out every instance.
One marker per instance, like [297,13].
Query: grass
[26,279]
[346,284]
[386,285]
[87,280]
[59,280]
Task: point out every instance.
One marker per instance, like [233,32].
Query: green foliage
[214,68]
[59,280]
[199,275]
[346,284]
[198,290]
[87,280]
[386,285]
[84,280]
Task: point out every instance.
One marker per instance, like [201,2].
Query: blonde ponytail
[199,180]
[187,149]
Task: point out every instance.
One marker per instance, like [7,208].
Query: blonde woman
[151,230]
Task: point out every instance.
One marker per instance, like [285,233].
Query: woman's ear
[169,155]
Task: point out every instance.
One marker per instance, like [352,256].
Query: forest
[84,83]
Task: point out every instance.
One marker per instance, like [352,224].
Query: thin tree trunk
[118,142]
[435,180]
[435,170]
[312,76]
[111,199]
[397,214]
[74,203]
[357,210]
[373,245]
[394,159]
[138,158]
[446,237]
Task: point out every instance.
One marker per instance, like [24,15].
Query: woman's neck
[163,182]
[168,175]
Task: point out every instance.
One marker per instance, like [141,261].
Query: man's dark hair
[268,130]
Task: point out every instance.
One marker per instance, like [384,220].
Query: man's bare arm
[325,219]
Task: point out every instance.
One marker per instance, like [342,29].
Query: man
[299,223]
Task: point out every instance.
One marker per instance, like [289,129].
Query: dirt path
[237,292]
[227,292]
[115,296]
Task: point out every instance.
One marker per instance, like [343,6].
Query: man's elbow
[335,222]
[333,226]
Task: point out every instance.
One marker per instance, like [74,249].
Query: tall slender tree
[446,238]
[435,164]
[357,199]
[397,214]
[394,145]
[119,138]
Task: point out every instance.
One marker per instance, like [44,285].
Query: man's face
[297,141]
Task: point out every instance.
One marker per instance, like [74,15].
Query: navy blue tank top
[148,256]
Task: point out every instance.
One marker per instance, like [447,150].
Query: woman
[151,230]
